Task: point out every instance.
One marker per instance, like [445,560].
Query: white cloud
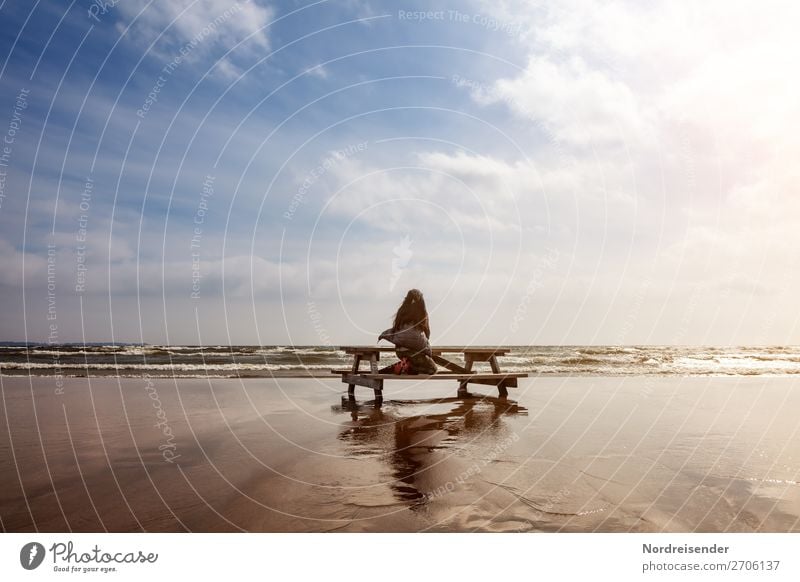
[16,266]
[458,193]
[578,104]
[198,21]
[319,71]
[470,166]
[226,69]
[695,103]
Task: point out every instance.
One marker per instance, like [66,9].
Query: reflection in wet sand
[425,443]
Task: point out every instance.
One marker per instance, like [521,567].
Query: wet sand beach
[561,454]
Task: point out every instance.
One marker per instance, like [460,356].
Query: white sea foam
[536,360]
[181,367]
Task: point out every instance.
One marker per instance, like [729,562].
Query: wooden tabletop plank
[472,349]
[436,350]
[365,349]
[440,376]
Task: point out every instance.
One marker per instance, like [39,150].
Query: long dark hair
[412,312]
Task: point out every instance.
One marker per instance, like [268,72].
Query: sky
[262,172]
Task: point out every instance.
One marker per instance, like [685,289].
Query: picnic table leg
[351,388]
[502,389]
[462,386]
[378,387]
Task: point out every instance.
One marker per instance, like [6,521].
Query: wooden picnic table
[465,375]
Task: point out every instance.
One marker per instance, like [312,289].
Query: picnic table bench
[464,375]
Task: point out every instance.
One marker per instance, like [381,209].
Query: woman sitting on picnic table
[410,334]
